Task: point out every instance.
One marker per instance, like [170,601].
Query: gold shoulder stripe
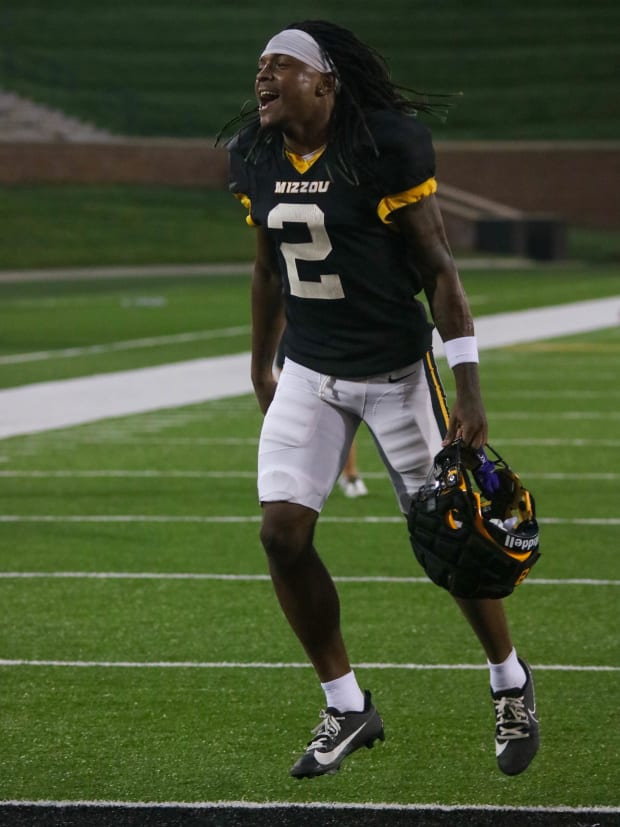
[401,199]
[248,205]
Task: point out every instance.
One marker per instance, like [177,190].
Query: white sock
[344,694]
[507,675]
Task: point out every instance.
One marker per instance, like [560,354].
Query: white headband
[300,45]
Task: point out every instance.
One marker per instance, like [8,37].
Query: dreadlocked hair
[363,85]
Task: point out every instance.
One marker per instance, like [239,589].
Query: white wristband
[460,350]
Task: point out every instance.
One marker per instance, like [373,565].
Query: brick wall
[577,181]
[178,163]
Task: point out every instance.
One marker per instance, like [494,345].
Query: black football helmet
[474,543]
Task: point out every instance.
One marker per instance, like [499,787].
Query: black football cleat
[516,726]
[338,735]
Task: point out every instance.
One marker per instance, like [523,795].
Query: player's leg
[512,686]
[408,422]
[304,443]
[488,620]
[304,587]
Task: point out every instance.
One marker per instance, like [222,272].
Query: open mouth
[266,97]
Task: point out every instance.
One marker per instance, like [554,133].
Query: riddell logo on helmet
[521,543]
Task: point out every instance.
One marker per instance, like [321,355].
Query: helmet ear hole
[526,506]
[453,519]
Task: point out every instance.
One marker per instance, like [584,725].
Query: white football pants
[310,425]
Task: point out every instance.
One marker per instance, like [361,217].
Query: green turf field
[144,657]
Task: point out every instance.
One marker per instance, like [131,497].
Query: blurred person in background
[350,482]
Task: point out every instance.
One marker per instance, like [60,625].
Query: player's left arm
[422,226]
[267,318]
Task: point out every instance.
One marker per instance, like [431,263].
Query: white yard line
[127,474]
[150,473]
[129,344]
[239,268]
[262,578]
[252,518]
[127,272]
[49,405]
[167,664]
[124,437]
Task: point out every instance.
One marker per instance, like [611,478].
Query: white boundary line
[421,667]
[311,805]
[47,405]
[504,329]
[258,578]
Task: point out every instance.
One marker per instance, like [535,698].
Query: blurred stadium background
[143,87]
[108,114]
[530,70]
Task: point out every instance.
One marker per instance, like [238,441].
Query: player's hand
[265,388]
[468,423]
[468,419]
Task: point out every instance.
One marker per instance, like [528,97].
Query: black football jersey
[348,282]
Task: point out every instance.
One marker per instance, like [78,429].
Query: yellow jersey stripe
[248,205]
[401,199]
[440,397]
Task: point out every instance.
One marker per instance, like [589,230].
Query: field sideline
[287,814]
[39,407]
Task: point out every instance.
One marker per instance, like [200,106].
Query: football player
[338,176]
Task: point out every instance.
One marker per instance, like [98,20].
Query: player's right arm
[267,318]
[422,226]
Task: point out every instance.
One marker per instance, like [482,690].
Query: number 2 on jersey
[312,216]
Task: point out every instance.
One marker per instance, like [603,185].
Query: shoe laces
[327,730]
[511,717]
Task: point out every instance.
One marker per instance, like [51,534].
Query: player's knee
[286,532]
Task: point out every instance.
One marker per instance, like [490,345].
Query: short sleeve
[406,156]
[238,181]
